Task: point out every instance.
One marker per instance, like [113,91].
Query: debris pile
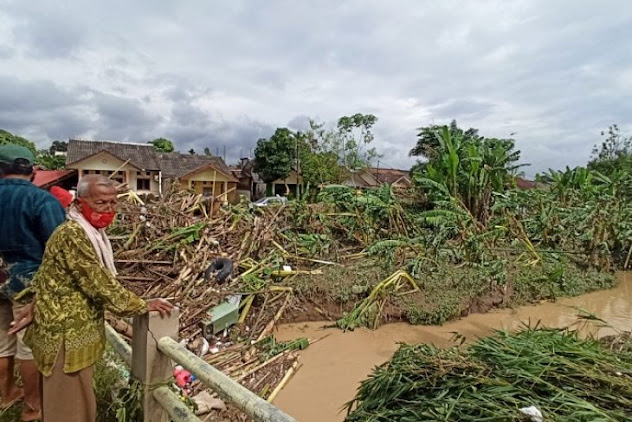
[222,272]
[533,374]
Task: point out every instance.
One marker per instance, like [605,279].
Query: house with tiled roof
[372,177]
[145,169]
[395,177]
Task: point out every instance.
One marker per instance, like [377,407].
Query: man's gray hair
[83,187]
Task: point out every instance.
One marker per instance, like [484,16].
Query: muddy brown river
[333,367]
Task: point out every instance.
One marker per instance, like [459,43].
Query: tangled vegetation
[564,377]
[564,237]
[466,235]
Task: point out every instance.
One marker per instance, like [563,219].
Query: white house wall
[104,163]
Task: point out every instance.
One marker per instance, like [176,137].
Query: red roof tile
[44,178]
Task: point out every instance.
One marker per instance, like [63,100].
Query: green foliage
[567,378]
[110,378]
[582,212]
[354,136]
[272,347]
[321,167]
[130,407]
[613,154]
[275,157]
[162,144]
[320,156]
[49,161]
[329,155]
[9,138]
[58,146]
[367,216]
[428,145]
[465,168]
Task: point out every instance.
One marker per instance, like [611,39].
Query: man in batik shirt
[74,286]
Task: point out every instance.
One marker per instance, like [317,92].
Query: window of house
[143,184]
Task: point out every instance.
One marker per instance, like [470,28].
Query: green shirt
[72,291]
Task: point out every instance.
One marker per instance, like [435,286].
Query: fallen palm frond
[368,312]
[564,377]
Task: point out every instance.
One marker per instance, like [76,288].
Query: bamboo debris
[163,248]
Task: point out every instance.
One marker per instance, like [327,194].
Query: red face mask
[99,220]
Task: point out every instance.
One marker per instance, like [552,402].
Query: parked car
[270,200]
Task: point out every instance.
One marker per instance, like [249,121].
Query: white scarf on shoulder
[97,237]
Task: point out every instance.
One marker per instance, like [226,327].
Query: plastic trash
[205,403]
[204,348]
[533,412]
[182,376]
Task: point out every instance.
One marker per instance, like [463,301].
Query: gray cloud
[300,122]
[214,74]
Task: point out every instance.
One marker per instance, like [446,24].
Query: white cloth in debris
[98,238]
[533,412]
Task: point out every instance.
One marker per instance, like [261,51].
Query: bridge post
[149,365]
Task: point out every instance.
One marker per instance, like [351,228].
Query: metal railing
[151,356]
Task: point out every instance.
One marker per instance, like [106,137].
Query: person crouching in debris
[74,285]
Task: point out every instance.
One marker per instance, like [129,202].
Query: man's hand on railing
[160,305]
[23,319]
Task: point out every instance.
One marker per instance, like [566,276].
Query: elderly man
[74,286]
[28,217]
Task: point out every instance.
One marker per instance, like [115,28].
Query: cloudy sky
[224,73]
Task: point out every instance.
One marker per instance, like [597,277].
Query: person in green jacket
[75,284]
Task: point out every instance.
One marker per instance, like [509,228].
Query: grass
[451,291]
[565,377]
[448,291]
[340,285]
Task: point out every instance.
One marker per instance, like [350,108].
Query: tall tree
[328,155]
[614,153]
[321,155]
[428,143]
[356,134]
[207,151]
[58,146]
[275,157]
[467,168]
[162,144]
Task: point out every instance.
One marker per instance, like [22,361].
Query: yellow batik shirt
[72,291]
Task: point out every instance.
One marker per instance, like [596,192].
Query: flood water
[333,367]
